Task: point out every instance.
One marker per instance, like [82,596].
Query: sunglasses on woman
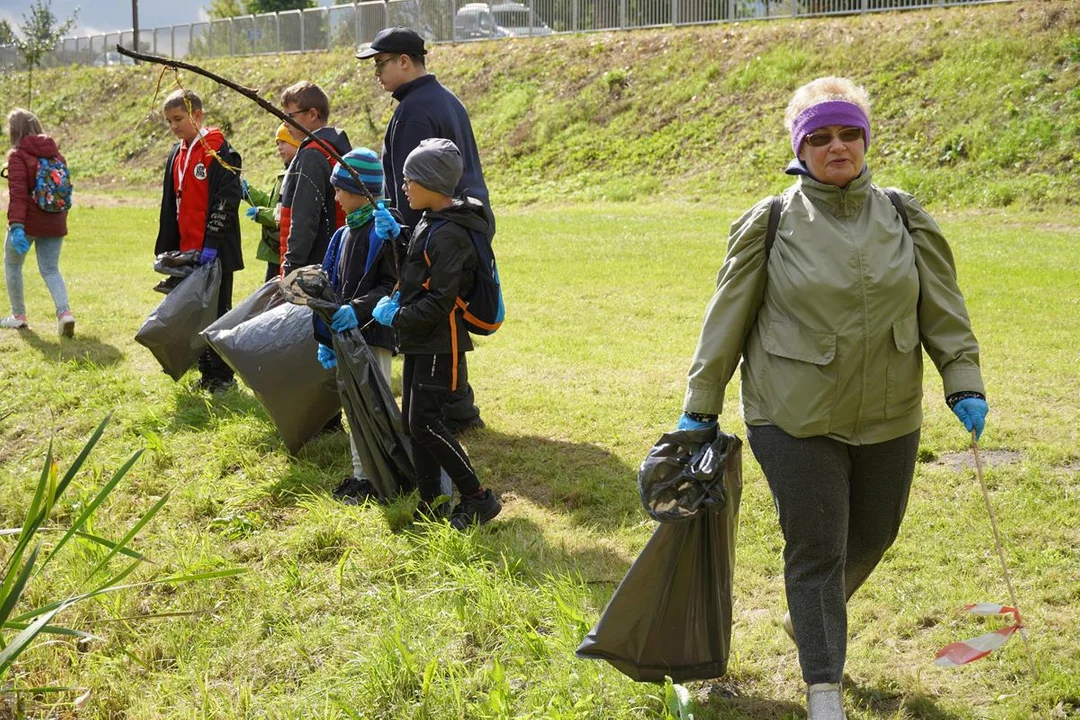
[821,139]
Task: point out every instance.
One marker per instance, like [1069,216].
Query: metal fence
[325,28]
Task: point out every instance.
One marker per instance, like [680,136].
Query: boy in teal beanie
[360,265]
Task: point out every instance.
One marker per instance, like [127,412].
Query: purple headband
[832,112]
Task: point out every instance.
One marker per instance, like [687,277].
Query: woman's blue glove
[344,319]
[327,358]
[972,412]
[385,224]
[387,309]
[207,256]
[251,212]
[688,423]
[18,239]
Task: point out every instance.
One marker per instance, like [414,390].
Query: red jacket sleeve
[18,188]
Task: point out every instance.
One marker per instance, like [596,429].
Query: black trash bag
[375,422]
[175,263]
[671,615]
[273,353]
[266,297]
[683,474]
[374,418]
[171,332]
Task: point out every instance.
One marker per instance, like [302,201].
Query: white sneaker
[65,324]
[824,701]
[15,322]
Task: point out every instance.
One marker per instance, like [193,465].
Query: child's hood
[467,212]
[337,139]
[41,146]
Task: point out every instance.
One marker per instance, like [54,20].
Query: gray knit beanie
[436,164]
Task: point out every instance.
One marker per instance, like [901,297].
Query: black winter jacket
[427,109]
[222,211]
[360,284]
[308,208]
[429,321]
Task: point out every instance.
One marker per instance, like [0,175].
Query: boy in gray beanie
[438,269]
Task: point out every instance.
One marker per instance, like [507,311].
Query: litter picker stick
[1001,552]
[253,95]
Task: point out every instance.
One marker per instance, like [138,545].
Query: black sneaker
[432,510]
[356,491]
[216,385]
[475,511]
[461,427]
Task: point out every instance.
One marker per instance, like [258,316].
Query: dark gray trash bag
[266,297]
[273,353]
[671,614]
[175,263]
[374,418]
[171,332]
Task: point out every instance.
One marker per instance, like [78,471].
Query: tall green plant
[40,33]
[27,560]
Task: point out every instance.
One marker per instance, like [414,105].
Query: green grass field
[343,613]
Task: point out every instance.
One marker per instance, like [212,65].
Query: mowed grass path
[344,613]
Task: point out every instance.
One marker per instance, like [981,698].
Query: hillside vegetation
[975,106]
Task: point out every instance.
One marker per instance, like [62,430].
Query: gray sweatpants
[840,508]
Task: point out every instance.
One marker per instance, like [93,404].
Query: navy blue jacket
[427,109]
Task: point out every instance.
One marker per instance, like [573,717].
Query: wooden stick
[1001,552]
[253,95]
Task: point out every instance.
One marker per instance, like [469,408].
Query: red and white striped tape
[961,653]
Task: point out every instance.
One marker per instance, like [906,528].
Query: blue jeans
[48,261]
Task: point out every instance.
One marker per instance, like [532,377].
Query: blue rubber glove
[207,256]
[18,239]
[344,319]
[385,224]
[972,412]
[688,423]
[327,358]
[386,310]
[251,212]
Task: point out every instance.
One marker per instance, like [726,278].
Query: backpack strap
[894,198]
[776,206]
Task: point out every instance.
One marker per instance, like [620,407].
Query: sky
[99,16]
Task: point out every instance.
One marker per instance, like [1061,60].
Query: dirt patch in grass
[965,460]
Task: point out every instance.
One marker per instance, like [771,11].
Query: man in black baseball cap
[426,109]
[396,40]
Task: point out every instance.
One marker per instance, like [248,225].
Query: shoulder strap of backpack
[776,205]
[894,198]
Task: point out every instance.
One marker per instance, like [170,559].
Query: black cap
[394,40]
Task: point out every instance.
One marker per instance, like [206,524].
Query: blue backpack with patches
[52,185]
[482,309]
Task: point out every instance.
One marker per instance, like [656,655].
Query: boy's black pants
[211,366]
[426,381]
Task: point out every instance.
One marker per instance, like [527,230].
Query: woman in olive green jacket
[829,319]
[264,206]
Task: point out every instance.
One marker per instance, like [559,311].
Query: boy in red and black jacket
[200,203]
[309,213]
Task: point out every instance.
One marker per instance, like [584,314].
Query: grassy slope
[977,106]
[340,616]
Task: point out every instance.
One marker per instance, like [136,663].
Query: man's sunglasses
[380,64]
[821,139]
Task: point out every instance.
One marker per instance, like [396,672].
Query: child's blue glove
[251,212]
[18,239]
[327,358]
[385,224]
[972,412]
[207,256]
[344,319]
[688,423]
[386,310]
